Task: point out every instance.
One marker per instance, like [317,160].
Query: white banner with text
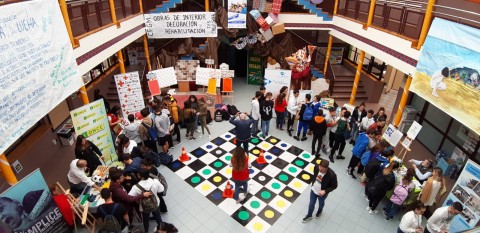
[180,25]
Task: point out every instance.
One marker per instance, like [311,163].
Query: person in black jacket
[378,187]
[319,129]
[357,115]
[324,182]
[242,128]
[86,150]
[266,113]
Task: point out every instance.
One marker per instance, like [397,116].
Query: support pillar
[7,171]
[84,95]
[327,55]
[403,102]
[112,11]
[357,77]
[120,62]
[335,7]
[426,24]
[371,13]
[147,54]
[63,8]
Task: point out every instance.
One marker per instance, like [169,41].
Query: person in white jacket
[131,130]
[255,113]
[151,185]
[292,108]
[412,221]
[441,219]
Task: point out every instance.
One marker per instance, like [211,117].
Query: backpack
[376,184]
[165,159]
[151,131]
[225,115]
[218,115]
[365,157]
[209,117]
[110,223]
[308,113]
[232,110]
[400,194]
[154,157]
[341,127]
[149,204]
[162,180]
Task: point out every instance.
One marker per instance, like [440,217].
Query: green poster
[254,69]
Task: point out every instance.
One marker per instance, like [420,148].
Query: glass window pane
[430,137]
[458,132]
[417,103]
[448,147]
[437,117]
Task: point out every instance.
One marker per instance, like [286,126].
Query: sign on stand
[129,93]
[180,25]
[276,79]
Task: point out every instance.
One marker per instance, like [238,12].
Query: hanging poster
[28,206]
[180,25]
[447,72]
[276,79]
[254,69]
[166,77]
[91,121]
[129,93]
[237,14]
[37,65]
[466,191]
[414,130]
[336,54]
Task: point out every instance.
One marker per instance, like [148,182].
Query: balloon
[317,1]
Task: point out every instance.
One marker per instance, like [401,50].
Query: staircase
[343,84]
[112,94]
[314,10]
[166,6]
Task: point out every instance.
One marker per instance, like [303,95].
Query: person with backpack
[147,165]
[332,119]
[190,119]
[255,113]
[319,129]
[202,116]
[147,131]
[380,185]
[359,149]
[171,127]
[149,205]
[399,195]
[357,116]
[131,130]
[162,124]
[304,117]
[292,110]
[113,216]
[339,141]
[266,112]
[316,105]
[172,106]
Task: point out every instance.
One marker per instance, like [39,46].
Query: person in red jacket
[240,174]
[63,205]
[280,107]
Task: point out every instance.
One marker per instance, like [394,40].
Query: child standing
[202,116]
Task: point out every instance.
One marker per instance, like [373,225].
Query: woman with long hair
[280,107]
[240,174]
[398,197]
[378,187]
[194,105]
[86,150]
[381,112]
[189,117]
[431,188]
[203,116]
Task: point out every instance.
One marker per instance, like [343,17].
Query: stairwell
[343,84]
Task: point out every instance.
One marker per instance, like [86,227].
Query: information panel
[180,25]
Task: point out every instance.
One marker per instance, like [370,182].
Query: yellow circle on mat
[280,203]
[264,146]
[273,140]
[311,169]
[228,171]
[205,187]
[305,176]
[297,184]
[217,179]
[269,214]
[288,193]
[258,226]
[256,151]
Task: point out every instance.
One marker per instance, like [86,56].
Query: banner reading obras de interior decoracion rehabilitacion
[180,25]
[91,121]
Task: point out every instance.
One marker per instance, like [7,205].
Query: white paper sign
[37,66]
[180,25]
[204,74]
[166,77]
[237,14]
[414,130]
[276,79]
[129,93]
[392,135]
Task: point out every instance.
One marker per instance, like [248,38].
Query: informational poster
[414,130]
[254,69]
[91,121]
[203,74]
[336,54]
[466,191]
[37,65]
[166,77]
[448,71]
[392,135]
[129,93]
[28,206]
[237,14]
[180,25]
[276,79]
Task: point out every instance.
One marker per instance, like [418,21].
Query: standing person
[379,186]
[316,106]
[114,120]
[423,169]
[441,219]
[202,116]
[339,142]
[357,116]
[150,99]
[325,182]
[76,177]
[150,185]
[332,120]
[262,92]
[379,124]
[147,165]
[149,139]
[86,150]
[266,112]
[194,105]
[367,121]
[242,126]
[255,113]
[319,128]
[174,109]
[97,96]
[131,130]
[189,117]
[171,126]
[63,204]
[240,174]
[280,107]
[399,195]
[412,221]
[117,210]
[381,112]
[162,125]
[360,147]
[292,110]
[126,145]
[431,188]
[304,118]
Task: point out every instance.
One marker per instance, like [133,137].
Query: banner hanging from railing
[180,25]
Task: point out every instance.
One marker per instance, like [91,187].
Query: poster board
[129,93]
[414,130]
[180,25]
[392,135]
[37,64]
[91,121]
[466,191]
[203,74]
[276,79]
[336,54]
[165,77]
[254,68]
[237,14]
[40,213]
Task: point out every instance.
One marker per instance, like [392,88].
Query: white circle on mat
[261,178]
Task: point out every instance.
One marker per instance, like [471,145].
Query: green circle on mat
[254,140]
[305,155]
[275,185]
[299,163]
[283,177]
[243,215]
[292,169]
[195,179]
[228,157]
[255,204]
[207,171]
[266,194]
[217,164]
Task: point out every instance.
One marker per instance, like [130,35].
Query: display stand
[80,211]
[405,147]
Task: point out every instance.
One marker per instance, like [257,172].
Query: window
[430,137]
[437,117]
[417,103]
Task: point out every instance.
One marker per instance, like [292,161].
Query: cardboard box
[255,14]
[276,6]
[267,34]
[267,7]
[278,28]
[274,17]
[269,20]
